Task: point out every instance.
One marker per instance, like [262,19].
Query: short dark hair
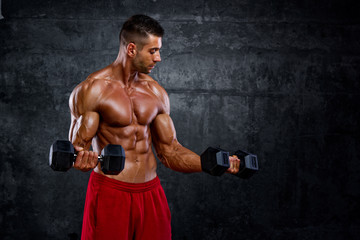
[137,28]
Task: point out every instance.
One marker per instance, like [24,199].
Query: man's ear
[131,50]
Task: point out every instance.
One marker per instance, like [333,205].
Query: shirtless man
[121,104]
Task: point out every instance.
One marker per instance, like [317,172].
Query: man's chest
[123,107]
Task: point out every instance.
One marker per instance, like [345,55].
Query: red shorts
[120,210]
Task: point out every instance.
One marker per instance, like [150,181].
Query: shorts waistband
[124,186]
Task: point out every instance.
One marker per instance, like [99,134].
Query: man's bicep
[84,120]
[163,130]
[84,128]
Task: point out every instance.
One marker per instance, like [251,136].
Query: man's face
[146,58]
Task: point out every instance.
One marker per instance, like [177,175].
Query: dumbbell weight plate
[61,156]
[112,159]
[214,161]
[248,164]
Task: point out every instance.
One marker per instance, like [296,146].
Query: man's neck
[122,70]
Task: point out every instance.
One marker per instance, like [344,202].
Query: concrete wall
[276,78]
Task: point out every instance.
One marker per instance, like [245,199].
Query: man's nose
[157,57]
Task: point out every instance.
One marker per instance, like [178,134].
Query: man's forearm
[178,158]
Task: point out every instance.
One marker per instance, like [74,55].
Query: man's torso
[126,113]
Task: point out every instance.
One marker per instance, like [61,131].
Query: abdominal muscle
[140,162]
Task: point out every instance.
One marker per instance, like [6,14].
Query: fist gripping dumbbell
[62,157]
[215,161]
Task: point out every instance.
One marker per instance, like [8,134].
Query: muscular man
[121,104]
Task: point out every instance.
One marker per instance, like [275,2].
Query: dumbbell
[62,157]
[215,161]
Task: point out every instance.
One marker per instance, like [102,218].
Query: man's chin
[145,71]
[148,70]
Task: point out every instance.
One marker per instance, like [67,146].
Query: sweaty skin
[121,104]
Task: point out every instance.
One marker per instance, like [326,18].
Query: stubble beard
[140,66]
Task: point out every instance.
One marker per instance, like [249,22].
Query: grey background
[276,78]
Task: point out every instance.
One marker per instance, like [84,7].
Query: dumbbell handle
[100,157]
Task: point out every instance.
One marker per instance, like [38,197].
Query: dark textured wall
[277,78]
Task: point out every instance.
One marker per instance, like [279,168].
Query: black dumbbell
[62,157]
[215,161]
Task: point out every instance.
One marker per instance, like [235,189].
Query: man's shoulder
[94,82]
[99,77]
[88,92]
[158,90]
[153,84]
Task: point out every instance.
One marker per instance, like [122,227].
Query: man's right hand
[85,160]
